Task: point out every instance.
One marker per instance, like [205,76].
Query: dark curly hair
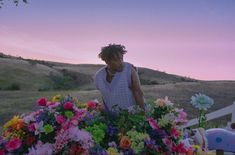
[111,51]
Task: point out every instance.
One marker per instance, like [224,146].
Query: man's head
[113,55]
[112,52]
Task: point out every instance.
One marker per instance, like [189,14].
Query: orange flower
[15,123]
[160,102]
[125,142]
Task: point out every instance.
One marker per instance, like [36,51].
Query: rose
[13,144]
[125,142]
[92,105]
[60,119]
[68,106]
[42,102]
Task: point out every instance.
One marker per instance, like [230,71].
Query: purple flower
[158,134]
[41,148]
[97,150]
[128,152]
[112,131]
[151,144]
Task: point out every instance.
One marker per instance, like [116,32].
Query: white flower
[168,102]
[39,128]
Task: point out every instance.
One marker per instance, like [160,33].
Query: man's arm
[136,89]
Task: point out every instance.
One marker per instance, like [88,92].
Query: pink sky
[203,48]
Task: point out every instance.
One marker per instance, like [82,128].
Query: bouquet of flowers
[66,126]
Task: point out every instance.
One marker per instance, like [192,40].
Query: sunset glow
[187,38]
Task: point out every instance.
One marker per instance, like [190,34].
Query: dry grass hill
[39,75]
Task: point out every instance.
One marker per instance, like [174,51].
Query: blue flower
[202,101]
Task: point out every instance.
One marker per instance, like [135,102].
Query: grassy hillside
[37,75]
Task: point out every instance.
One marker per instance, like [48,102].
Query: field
[18,102]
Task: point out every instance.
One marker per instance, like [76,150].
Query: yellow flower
[81,105]
[196,146]
[56,98]
[112,151]
[15,123]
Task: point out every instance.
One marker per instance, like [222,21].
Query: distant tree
[16,2]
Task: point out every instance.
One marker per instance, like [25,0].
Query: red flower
[179,148]
[76,149]
[92,105]
[60,119]
[42,102]
[68,106]
[13,144]
[2,152]
[30,140]
[125,142]
[175,133]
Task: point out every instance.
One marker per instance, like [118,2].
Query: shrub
[32,62]
[13,86]
[64,82]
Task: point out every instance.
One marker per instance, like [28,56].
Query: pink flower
[153,124]
[31,127]
[53,105]
[68,106]
[182,116]
[92,105]
[60,119]
[13,144]
[42,102]
[2,152]
[175,133]
[166,141]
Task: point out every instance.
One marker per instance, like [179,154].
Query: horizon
[194,39]
[105,64]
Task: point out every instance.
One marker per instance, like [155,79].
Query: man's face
[116,63]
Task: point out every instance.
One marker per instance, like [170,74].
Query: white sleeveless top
[118,92]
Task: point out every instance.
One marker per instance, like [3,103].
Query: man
[118,81]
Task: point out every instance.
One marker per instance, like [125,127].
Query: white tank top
[118,92]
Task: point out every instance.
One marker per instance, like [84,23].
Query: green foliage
[1,55]
[32,62]
[13,86]
[186,79]
[64,82]
[42,62]
[202,119]
[46,88]
[148,82]
[97,131]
